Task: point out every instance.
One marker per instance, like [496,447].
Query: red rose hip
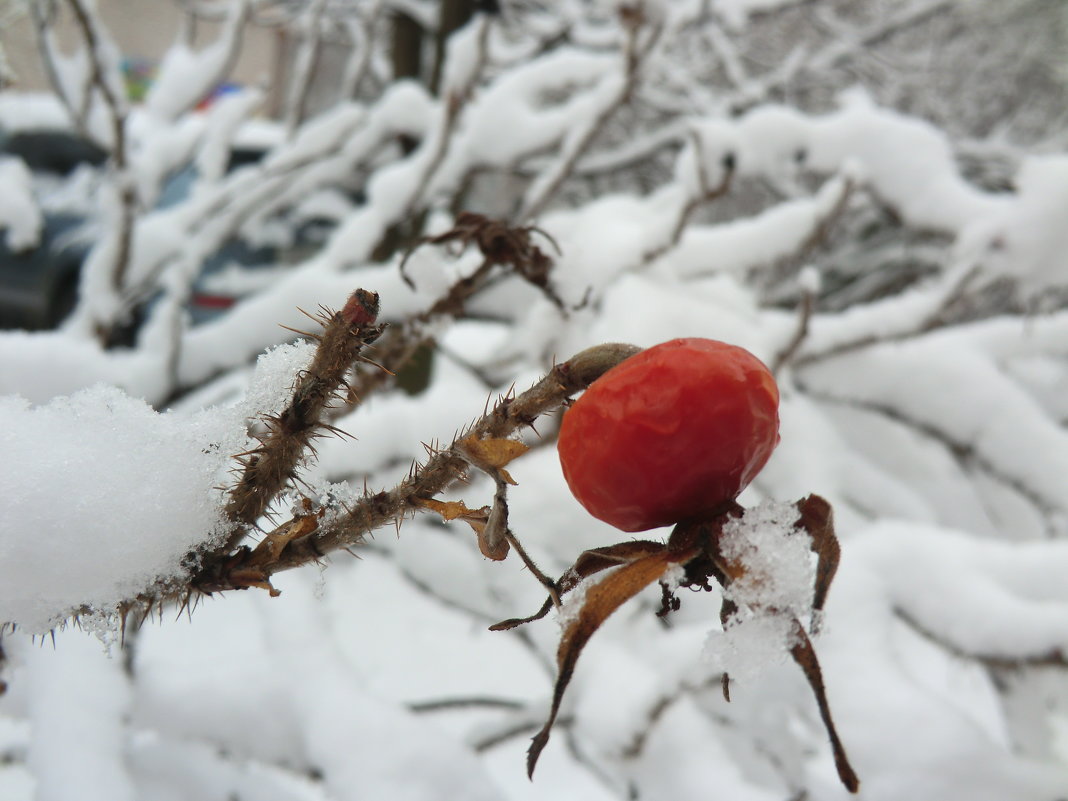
[670,434]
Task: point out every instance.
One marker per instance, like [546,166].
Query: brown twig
[89,27]
[805,310]
[707,194]
[545,189]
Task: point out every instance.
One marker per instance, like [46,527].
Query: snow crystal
[749,646]
[776,557]
[271,385]
[772,592]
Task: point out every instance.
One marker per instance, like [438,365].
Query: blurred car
[39,284]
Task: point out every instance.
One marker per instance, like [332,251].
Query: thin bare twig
[804,317]
[304,67]
[359,63]
[109,87]
[1051,658]
[546,187]
[953,292]
[707,194]
[964,453]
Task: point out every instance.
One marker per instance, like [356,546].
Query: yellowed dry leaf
[457,510]
[270,548]
[491,454]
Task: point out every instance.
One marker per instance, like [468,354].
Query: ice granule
[776,556]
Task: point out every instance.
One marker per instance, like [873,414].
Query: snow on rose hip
[670,434]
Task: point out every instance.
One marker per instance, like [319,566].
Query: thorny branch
[301,540]
[269,468]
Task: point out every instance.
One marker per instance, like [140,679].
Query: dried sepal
[695,546]
[493,539]
[805,656]
[600,601]
[500,244]
[817,518]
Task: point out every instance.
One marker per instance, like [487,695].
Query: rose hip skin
[670,434]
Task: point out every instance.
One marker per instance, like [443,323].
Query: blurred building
[143,30]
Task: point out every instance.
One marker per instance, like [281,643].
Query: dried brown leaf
[805,656]
[817,518]
[453,510]
[601,600]
[493,538]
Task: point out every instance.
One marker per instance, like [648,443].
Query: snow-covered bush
[870,196]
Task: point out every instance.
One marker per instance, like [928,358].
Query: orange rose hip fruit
[670,434]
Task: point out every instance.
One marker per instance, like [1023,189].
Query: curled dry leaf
[493,539]
[457,510]
[600,601]
[271,546]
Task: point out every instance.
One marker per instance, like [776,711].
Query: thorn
[338,431]
[376,364]
[311,317]
[308,334]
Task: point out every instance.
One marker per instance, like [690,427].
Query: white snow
[930,412]
[158,473]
